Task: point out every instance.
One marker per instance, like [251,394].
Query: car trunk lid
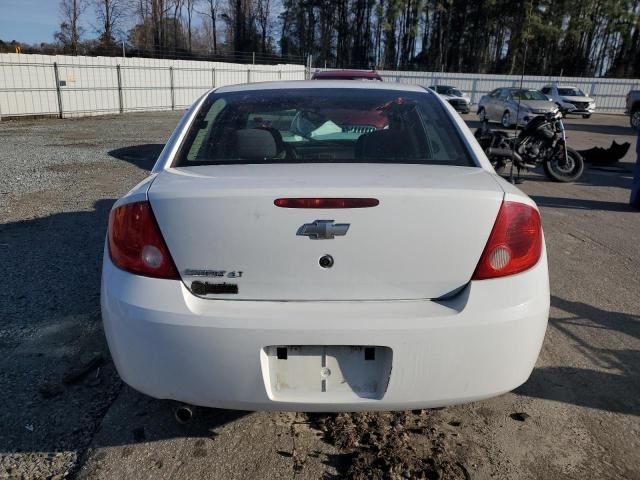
[423,239]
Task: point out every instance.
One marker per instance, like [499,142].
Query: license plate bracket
[300,373]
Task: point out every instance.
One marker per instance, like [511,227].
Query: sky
[28,21]
[35,21]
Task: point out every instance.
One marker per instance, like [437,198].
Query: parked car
[633,108]
[279,259]
[346,75]
[505,104]
[570,99]
[458,100]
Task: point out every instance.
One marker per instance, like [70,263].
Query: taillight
[515,243]
[136,244]
[326,202]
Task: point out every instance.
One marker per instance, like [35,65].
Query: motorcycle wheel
[634,119]
[506,120]
[559,171]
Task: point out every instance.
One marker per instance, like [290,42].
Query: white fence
[66,86]
[609,93]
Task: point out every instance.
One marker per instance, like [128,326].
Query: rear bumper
[575,110]
[581,112]
[169,344]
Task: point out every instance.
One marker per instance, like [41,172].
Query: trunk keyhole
[326,261]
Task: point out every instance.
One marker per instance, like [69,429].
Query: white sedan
[324,246]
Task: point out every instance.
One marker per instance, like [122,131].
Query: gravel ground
[58,185]
[65,412]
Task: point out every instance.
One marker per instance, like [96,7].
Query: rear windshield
[320,126]
[571,92]
[449,91]
[528,95]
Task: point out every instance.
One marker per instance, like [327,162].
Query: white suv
[571,99]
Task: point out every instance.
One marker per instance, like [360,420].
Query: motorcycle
[541,141]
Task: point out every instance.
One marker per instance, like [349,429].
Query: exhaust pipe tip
[183,414]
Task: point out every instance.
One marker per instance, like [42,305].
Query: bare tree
[190,6]
[177,13]
[158,24]
[110,14]
[241,25]
[155,21]
[263,14]
[212,13]
[70,30]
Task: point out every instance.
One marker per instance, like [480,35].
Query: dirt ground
[65,413]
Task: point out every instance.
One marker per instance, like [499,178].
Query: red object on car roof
[346,75]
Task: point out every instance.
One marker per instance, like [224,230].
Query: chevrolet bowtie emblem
[323,229]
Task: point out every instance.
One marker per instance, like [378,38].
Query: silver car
[508,105]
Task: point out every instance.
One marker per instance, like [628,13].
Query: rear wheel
[506,119]
[482,114]
[586,115]
[564,170]
[634,119]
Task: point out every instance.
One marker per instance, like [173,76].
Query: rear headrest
[255,143]
[383,144]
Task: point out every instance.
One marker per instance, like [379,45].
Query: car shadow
[143,156]
[583,387]
[581,204]
[56,375]
[135,418]
[52,265]
[614,386]
[609,130]
[606,319]
[597,176]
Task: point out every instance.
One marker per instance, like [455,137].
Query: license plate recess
[300,373]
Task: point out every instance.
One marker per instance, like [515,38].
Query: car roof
[347,74]
[559,86]
[285,85]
